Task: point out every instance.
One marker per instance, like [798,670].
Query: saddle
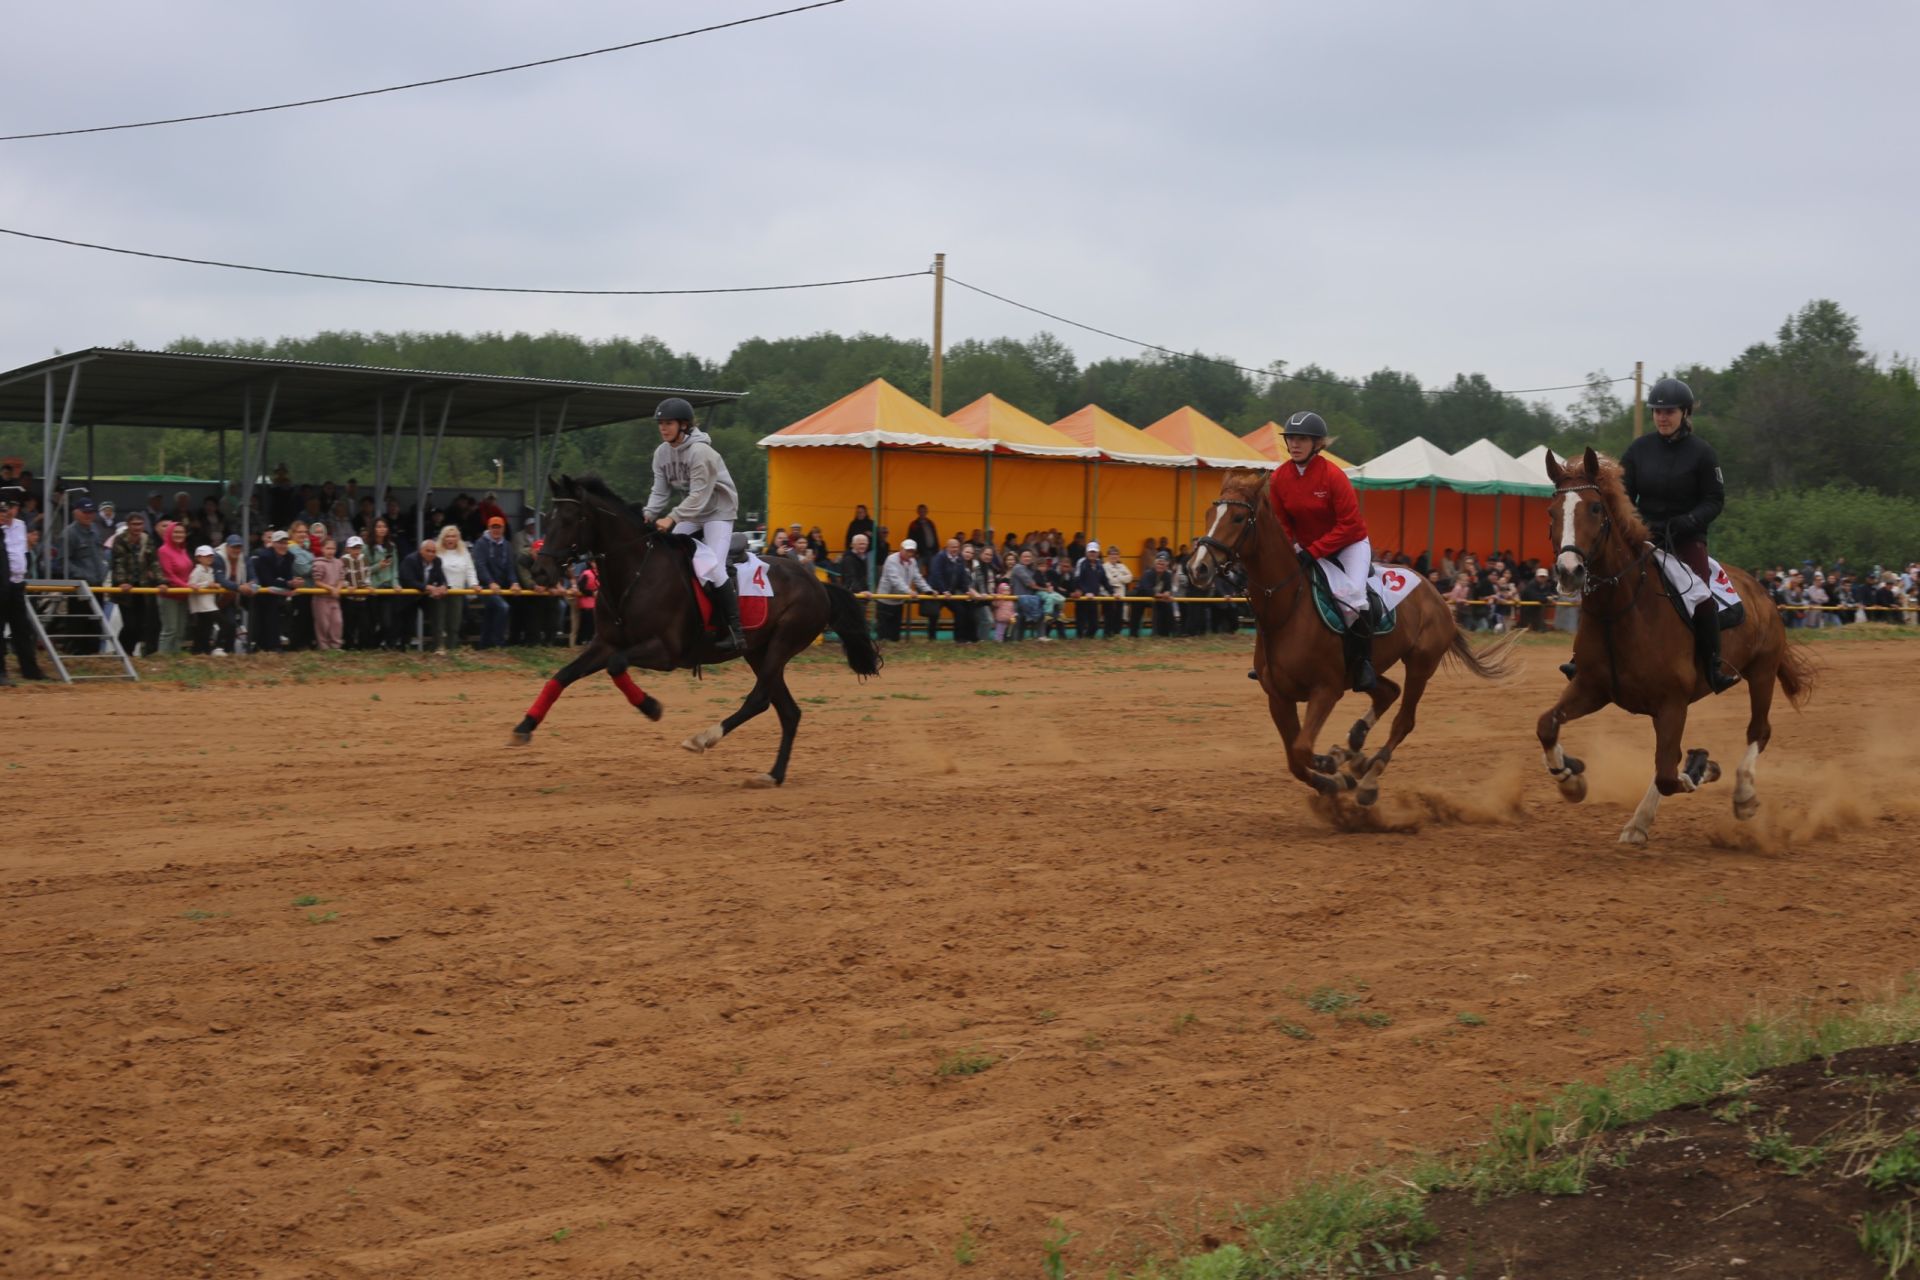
[1728,616]
[1383,617]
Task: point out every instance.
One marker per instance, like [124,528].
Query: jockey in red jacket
[1317,507]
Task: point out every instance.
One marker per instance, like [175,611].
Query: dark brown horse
[646,615]
[1633,649]
[1299,659]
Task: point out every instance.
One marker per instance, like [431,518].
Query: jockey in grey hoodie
[686,460]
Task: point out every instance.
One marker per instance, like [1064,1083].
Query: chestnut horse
[1299,659]
[1633,649]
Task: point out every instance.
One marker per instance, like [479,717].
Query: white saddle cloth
[1392,583]
[752,577]
[1694,592]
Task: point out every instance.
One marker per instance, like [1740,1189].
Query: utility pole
[939,308]
[1639,398]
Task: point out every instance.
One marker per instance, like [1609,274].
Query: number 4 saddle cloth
[752,580]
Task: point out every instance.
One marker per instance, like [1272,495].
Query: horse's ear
[1555,472]
[553,485]
[1592,463]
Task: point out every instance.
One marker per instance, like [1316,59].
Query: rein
[1231,554]
[1593,583]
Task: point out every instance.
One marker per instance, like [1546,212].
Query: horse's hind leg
[1383,695]
[591,659]
[1761,679]
[1576,700]
[788,710]
[758,699]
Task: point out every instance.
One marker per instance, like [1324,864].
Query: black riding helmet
[1306,423]
[1671,393]
[674,409]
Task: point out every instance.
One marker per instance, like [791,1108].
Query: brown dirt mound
[590,1008]
[1766,1182]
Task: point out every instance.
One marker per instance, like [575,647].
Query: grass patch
[1469,1019]
[1887,1237]
[964,1062]
[911,697]
[197,914]
[315,917]
[1331,999]
[1373,1224]
[308,900]
[1776,1148]
[1293,1030]
[992,693]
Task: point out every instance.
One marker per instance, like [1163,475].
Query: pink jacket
[176,563]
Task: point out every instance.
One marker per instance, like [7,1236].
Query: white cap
[356,541]
[202,551]
[1093,546]
[908,544]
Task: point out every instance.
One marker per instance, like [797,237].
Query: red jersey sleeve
[1348,527]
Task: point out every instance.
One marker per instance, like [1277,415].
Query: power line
[463,288]
[421,84]
[1259,373]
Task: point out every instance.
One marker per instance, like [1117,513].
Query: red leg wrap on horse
[549,694]
[624,683]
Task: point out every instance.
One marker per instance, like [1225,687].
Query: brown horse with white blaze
[1633,649]
[1299,659]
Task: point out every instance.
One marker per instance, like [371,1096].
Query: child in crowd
[1002,610]
[203,606]
[327,573]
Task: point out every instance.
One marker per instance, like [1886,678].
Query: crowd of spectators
[219,592]
[304,573]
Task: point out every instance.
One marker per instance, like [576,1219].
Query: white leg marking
[1635,832]
[1746,796]
[1556,760]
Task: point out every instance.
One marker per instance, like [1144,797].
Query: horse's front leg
[591,659]
[1669,723]
[1320,705]
[1578,699]
[639,699]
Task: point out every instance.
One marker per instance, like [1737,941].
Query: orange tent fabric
[1013,430]
[1187,430]
[1117,440]
[878,413]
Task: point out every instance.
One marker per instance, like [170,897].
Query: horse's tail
[1490,662]
[1796,673]
[850,624]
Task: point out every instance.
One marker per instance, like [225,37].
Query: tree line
[1812,408]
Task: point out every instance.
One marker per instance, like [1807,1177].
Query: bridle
[1230,554]
[1592,583]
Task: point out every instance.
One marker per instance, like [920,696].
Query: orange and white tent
[1187,430]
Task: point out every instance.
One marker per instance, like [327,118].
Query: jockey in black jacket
[1673,479]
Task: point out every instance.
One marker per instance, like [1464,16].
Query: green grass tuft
[964,1062]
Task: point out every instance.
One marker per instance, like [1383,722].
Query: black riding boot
[1706,644]
[1358,643]
[726,598]
[1568,670]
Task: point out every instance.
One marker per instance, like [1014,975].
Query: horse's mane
[1613,491]
[593,485]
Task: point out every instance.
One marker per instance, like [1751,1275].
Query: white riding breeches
[1347,571]
[716,536]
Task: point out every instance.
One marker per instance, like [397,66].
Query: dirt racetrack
[589,1008]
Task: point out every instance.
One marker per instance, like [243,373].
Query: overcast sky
[1527,190]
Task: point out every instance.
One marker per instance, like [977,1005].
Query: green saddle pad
[1330,612]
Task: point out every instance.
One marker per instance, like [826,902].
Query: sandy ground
[590,1008]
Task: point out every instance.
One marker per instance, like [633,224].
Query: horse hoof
[1366,796]
[1574,789]
[1322,764]
[762,781]
[707,737]
[518,739]
[1633,836]
[650,707]
[1743,810]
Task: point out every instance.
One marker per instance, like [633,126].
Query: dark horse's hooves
[1322,764]
[650,707]
[519,739]
[1699,768]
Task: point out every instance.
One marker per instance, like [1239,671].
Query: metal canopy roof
[123,388]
